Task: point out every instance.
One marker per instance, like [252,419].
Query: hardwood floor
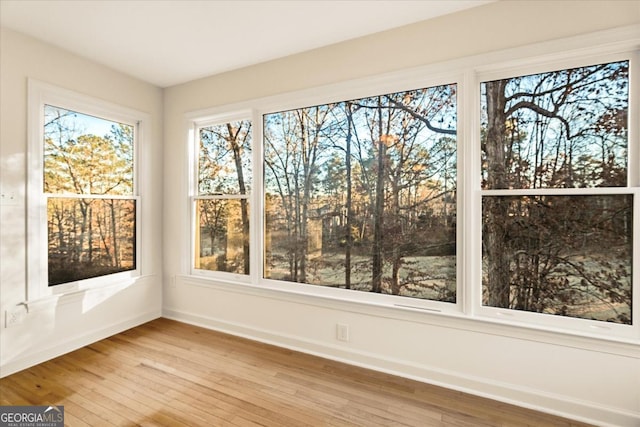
[166,373]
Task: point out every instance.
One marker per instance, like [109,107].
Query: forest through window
[89,187]
[361,194]
[555,240]
[222,205]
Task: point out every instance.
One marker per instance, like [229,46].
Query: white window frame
[194,153]
[467,73]
[39,95]
[550,321]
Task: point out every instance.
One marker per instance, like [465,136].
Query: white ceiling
[168,42]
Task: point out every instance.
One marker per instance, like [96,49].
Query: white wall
[58,325]
[583,378]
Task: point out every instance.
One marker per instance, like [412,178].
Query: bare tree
[561,129]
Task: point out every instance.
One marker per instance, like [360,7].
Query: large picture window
[557,221]
[361,194]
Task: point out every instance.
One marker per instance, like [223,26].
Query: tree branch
[423,119]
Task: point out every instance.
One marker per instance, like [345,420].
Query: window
[88,183]
[502,191]
[84,203]
[361,194]
[557,210]
[221,204]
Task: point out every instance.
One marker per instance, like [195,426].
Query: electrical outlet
[15,316]
[342,332]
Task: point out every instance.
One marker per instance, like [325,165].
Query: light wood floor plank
[167,373]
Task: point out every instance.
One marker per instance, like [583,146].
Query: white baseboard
[75,343]
[516,394]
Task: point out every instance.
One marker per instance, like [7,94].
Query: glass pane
[222,235]
[562,255]
[90,238]
[563,129]
[361,194]
[86,155]
[224,161]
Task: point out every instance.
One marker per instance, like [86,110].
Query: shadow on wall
[58,324]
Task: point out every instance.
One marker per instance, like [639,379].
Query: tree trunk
[378,212]
[244,209]
[396,254]
[349,208]
[90,234]
[114,228]
[496,208]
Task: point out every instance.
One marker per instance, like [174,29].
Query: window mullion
[257,200]
[470,173]
[557,191]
